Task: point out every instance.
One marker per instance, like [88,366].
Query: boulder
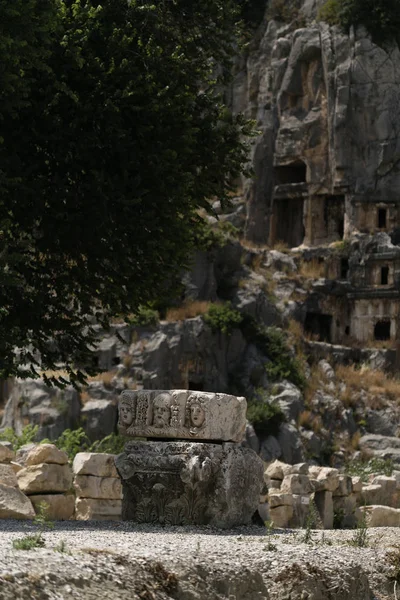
[6,453]
[281,515]
[389,494]
[275,470]
[8,476]
[99,418]
[45,478]
[357,484]
[92,463]
[88,486]
[345,486]
[371,494]
[278,499]
[14,504]
[327,478]
[98,510]
[289,399]
[381,516]
[46,453]
[60,507]
[296,484]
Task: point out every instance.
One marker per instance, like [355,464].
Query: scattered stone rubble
[339,499]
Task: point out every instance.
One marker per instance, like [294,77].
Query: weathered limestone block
[178,483]
[381,516]
[6,454]
[275,484]
[14,504]
[301,509]
[44,478]
[324,503]
[92,463]
[345,486]
[280,500]
[88,486]
[60,507]
[371,494]
[8,476]
[275,470]
[182,414]
[97,509]
[357,484]
[296,484]
[298,469]
[328,478]
[390,495]
[16,466]
[281,516]
[46,453]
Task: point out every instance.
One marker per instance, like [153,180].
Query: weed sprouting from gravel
[42,521]
[360,536]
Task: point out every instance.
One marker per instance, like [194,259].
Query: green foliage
[28,435]
[380,17]
[41,520]
[311,523]
[62,548]
[338,516]
[360,535]
[107,152]
[72,441]
[209,237]
[145,316]
[111,444]
[372,466]
[284,10]
[265,417]
[223,318]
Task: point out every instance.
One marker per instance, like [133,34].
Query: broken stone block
[389,494]
[281,516]
[371,494]
[324,503]
[97,509]
[92,463]
[46,453]
[183,483]
[275,470]
[182,414]
[381,516]
[345,486]
[357,484]
[8,476]
[296,484]
[14,504]
[298,469]
[60,507]
[6,453]
[301,509]
[88,486]
[280,500]
[327,478]
[45,478]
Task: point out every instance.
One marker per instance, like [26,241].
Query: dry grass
[249,245]
[105,377]
[188,310]
[312,269]
[316,381]
[377,383]
[280,246]
[295,330]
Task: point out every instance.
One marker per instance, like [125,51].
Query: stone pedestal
[189,483]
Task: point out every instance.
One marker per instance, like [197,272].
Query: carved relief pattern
[163,415]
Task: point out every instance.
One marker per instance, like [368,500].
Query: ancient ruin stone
[14,504]
[46,453]
[181,483]
[44,478]
[7,476]
[6,454]
[91,463]
[60,507]
[97,509]
[381,516]
[88,486]
[182,414]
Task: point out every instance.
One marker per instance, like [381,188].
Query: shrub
[71,441]
[28,435]
[111,444]
[282,365]
[283,10]
[265,417]
[380,17]
[145,316]
[373,466]
[223,318]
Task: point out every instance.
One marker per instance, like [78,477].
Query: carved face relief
[162,410]
[126,414]
[197,415]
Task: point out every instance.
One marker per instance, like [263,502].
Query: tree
[115,141]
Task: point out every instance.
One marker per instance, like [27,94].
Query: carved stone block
[182,414]
[185,483]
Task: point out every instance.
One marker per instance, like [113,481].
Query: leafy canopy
[112,134]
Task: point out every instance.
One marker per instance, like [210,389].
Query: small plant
[28,435]
[269,528]
[372,466]
[265,417]
[360,536]
[62,548]
[111,444]
[223,318]
[311,523]
[145,316]
[36,540]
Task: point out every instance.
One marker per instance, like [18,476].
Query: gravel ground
[120,560]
